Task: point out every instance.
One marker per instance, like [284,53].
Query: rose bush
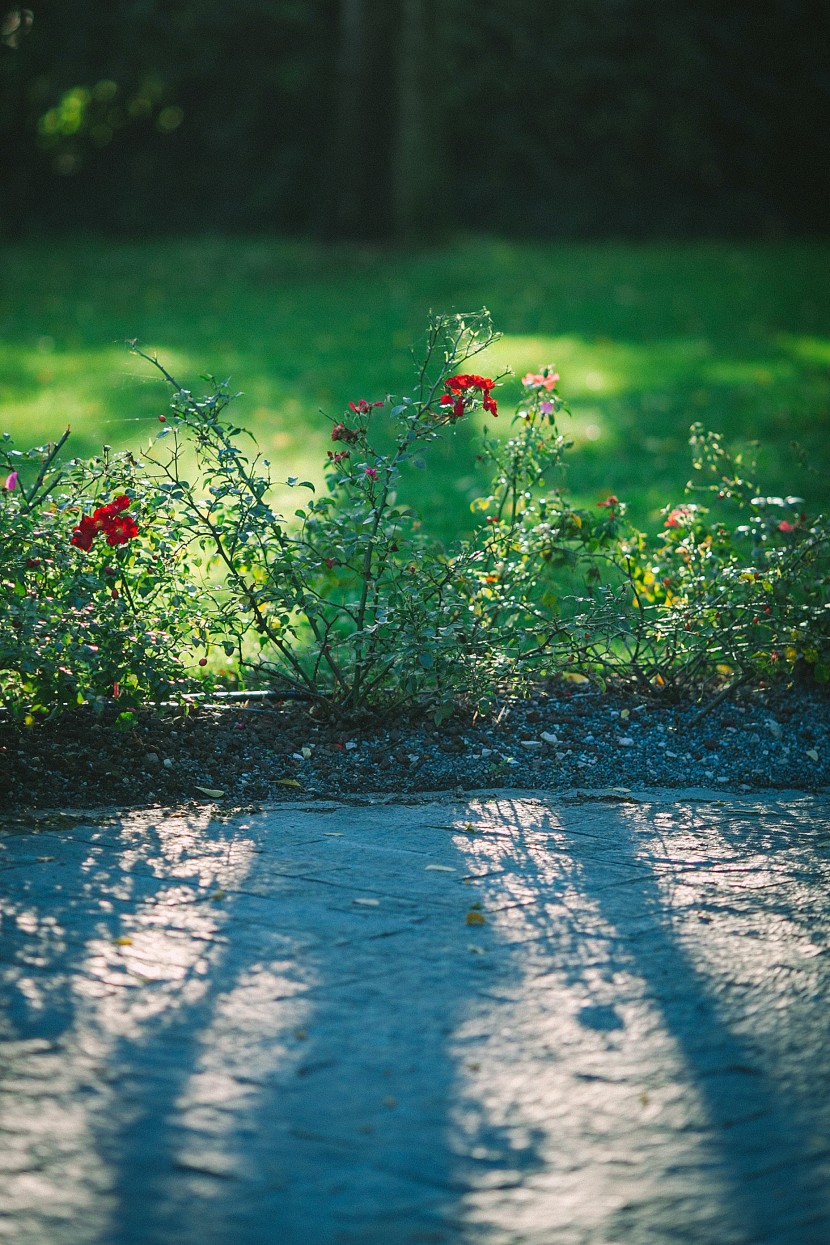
[86,620]
[132,580]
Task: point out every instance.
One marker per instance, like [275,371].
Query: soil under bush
[571,736]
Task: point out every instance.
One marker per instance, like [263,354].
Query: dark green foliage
[628,117]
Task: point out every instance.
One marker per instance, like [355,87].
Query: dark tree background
[402,118]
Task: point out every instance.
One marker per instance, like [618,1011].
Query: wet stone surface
[497,1020]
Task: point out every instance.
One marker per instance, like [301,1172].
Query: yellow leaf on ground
[476,918]
[213,792]
[288,782]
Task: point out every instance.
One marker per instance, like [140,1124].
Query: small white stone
[625,741]
[530,743]
[167,763]
[549,737]
[350,745]
[486,752]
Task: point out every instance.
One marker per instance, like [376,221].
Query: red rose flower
[110,519]
[459,385]
[120,529]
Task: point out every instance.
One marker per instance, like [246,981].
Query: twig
[719,698]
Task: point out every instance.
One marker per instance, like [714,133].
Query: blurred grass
[648,338]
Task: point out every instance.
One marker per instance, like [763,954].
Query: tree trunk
[347,164]
[414,155]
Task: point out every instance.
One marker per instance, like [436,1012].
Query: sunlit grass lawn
[647,338]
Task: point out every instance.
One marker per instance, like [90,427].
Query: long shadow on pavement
[294,1028]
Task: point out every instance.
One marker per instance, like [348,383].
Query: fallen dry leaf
[476,918]
[213,792]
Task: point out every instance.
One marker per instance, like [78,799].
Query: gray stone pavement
[552,1020]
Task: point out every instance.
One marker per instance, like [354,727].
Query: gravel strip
[576,736]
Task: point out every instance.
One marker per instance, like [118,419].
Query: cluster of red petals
[610,502]
[467,381]
[341,433]
[117,526]
[458,404]
[459,387]
[337,456]
[362,407]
